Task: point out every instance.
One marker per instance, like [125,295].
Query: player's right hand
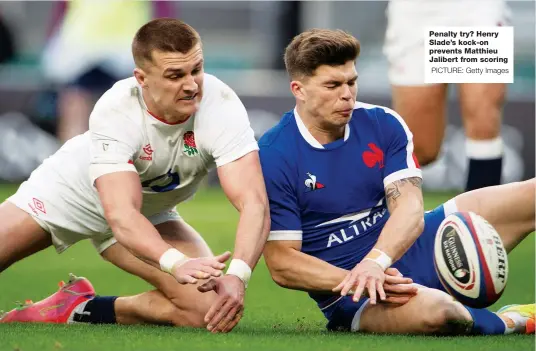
[192,269]
[398,289]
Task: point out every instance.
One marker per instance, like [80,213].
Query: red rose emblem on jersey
[190,148]
[189,139]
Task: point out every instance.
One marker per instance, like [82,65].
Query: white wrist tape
[170,258]
[241,270]
[380,258]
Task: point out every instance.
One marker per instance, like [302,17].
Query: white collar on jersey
[140,95]
[309,137]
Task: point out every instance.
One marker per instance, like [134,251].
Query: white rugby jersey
[171,159]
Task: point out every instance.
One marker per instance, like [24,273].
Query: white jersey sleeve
[115,139]
[229,135]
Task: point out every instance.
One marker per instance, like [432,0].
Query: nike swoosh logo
[353,217]
[44,310]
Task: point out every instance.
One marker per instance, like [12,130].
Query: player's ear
[140,77]
[296,87]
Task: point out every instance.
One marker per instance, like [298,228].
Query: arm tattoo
[392,191]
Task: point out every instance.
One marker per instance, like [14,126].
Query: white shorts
[66,224]
[406,23]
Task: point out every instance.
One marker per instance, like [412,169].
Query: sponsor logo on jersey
[311,182]
[147,153]
[359,224]
[189,148]
[165,182]
[373,156]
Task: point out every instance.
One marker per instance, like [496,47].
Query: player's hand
[398,289]
[227,310]
[189,271]
[367,275]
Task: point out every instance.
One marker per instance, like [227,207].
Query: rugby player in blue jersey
[347,211]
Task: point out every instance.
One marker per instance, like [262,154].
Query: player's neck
[322,134]
[153,108]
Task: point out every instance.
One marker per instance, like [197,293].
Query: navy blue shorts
[417,263]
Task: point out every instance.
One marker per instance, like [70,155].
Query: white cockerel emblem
[311,182]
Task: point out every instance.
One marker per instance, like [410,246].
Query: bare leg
[423,109]
[172,303]
[481,106]
[20,235]
[509,208]
[74,109]
[431,311]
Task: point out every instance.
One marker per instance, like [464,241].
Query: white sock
[519,325]
[484,149]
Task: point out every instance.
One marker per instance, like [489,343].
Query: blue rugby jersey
[331,197]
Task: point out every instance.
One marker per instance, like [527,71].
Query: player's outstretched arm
[293,269]
[243,183]
[406,221]
[405,224]
[121,197]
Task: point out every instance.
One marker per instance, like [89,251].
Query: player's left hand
[227,310]
[398,289]
[366,274]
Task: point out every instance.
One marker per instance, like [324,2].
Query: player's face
[330,93]
[175,81]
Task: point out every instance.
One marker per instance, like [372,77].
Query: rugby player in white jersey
[152,139]
[423,106]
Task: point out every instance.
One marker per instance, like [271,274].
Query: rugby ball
[470,259]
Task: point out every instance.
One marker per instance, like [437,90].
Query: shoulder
[277,137]
[220,110]
[218,96]
[119,102]
[376,113]
[276,147]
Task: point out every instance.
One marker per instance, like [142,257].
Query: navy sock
[99,310]
[486,322]
[483,173]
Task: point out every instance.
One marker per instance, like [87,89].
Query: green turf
[275,318]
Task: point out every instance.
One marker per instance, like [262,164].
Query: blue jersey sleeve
[399,160]
[282,196]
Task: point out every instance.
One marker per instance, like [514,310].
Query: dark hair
[316,47]
[163,34]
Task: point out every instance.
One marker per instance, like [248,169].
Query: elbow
[419,227]
[118,220]
[418,214]
[278,276]
[278,271]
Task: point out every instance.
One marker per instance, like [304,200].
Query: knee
[446,316]
[482,122]
[178,318]
[190,314]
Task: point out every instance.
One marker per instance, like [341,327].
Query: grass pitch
[275,318]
